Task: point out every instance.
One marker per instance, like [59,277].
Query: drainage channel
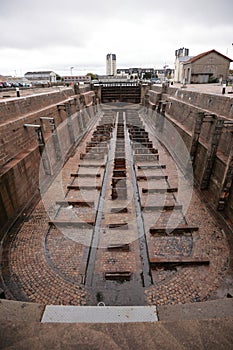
[118,268]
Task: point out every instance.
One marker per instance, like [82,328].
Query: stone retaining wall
[219,104]
[21,150]
[15,108]
[203,121]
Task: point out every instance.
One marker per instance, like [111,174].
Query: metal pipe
[32,126]
[46,118]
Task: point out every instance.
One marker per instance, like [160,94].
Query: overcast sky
[57,35]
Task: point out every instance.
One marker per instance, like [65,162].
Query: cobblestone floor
[190,284]
[31,270]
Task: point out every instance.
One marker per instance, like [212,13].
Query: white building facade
[45,76]
[111,64]
[182,56]
[207,67]
[76,78]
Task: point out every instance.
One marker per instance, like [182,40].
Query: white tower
[182,55]
[111,64]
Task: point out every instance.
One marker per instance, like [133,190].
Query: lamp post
[165,69]
[71,73]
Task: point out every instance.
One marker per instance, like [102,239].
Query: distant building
[135,72]
[76,78]
[165,72]
[204,68]
[5,78]
[111,64]
[207,67]
[112,78]
[182,56]
[42,76]
[142,73]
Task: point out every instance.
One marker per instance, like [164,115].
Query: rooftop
[195,58]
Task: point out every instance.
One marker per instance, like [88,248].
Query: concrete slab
[99,314]
[210,309]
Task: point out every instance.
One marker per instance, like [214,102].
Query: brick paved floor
[189,284]
[32,271]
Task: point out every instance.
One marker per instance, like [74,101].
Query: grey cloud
[139,32]
[37,24]
[215,10]
[39,32]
